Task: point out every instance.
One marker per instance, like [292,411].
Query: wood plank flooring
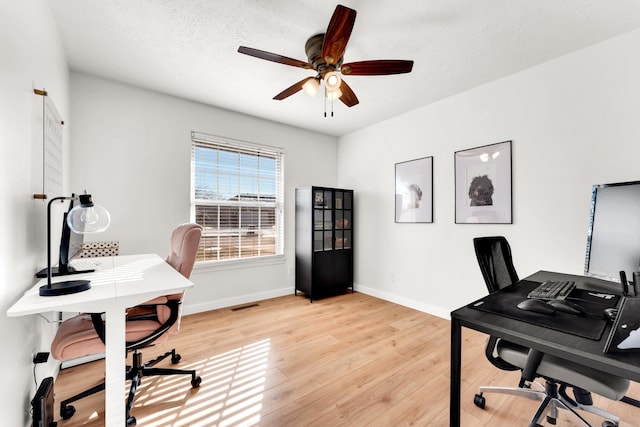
[349,360]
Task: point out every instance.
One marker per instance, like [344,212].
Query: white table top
[122,280]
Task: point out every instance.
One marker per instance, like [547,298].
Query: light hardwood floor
[349,360]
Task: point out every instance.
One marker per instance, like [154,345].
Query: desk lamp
[84,218]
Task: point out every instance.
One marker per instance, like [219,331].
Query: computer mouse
[536,306]
[566,306]
[611,313]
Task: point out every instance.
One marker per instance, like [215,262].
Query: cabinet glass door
[343,219]
[323,235]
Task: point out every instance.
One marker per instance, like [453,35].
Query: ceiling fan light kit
[325,55]
[334,94]
[332,81]
[311,86]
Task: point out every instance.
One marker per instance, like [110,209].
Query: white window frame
[215,142]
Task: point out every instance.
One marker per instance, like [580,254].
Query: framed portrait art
[483,185]
[414,191]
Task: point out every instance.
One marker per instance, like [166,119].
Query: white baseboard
[245,299]
[407,302]
[230,302]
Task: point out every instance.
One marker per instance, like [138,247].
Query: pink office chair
[149,323]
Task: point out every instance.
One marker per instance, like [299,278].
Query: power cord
[38,358]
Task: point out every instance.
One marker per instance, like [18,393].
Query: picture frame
[414,191]
[483,185]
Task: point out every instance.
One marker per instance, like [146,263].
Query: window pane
[327,199]
[339,219]
[328,223]
[328,240]
[236,198]
[317,241]
[318,218]
[347,239]
[347,200]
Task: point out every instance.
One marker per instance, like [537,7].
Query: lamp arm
[49,235]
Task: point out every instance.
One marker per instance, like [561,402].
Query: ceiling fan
[324,53]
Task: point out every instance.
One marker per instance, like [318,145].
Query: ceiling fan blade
[274,57]
[294,88]
[348,97]
[338,33]
[377,68]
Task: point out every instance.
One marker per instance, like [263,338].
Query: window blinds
[237,197]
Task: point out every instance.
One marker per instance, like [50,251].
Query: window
[237,198]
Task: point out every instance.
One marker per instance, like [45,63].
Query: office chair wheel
[197,380]
[175,358]
[131,421]
[608,423]
[67,412]
[479,400]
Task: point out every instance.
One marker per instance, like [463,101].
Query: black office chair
[496,265]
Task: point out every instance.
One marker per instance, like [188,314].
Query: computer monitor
[70,247]
[613,238]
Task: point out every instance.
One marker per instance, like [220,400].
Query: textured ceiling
[188,48]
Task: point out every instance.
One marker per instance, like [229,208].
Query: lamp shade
[334,94]
[84,218]
[88,217]
[332,81]
[311,86]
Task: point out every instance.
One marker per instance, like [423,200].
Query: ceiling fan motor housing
[313,48]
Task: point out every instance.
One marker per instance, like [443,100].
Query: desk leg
[456,362]
[115,368]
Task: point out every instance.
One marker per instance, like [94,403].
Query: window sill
[207,266]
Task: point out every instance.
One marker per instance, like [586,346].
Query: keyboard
[549,290]
[84,265]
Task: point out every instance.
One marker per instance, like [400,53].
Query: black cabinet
[324,241]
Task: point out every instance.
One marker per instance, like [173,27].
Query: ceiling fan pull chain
[325,102]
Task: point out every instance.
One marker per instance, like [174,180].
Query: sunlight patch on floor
[230,394]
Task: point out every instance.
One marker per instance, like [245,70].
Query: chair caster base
[195,383]
[67,412]
[479,400]
[131,421]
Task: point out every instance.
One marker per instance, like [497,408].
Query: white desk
[118,283]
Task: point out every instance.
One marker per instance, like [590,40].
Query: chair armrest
[174,307]
[98,325]
[531,368]
[155,301]
[496,361]
[146,310]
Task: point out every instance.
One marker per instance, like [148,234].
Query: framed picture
[414,190]
[483,184]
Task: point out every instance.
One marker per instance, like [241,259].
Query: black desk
[549,341]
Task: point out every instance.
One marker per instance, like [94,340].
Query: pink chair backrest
[184,247]
[182,256]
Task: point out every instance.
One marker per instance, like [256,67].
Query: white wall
[31,58]
[574,122]
[131,149]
